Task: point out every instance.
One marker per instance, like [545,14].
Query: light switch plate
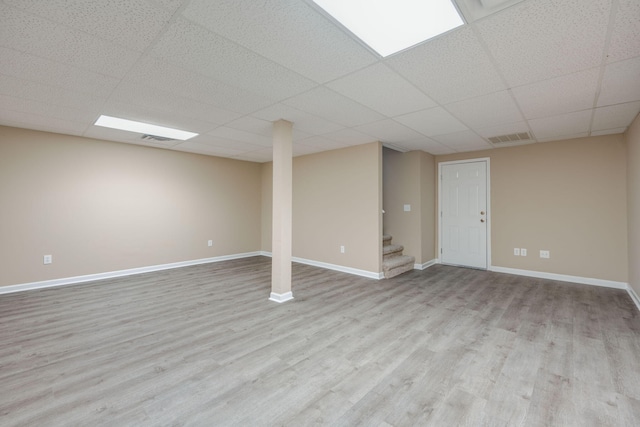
[407,208]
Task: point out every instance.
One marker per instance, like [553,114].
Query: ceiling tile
[160,74]
[38,36]
[537,40]
[29,120]
[560,95]
[427,145]
[171,5]
[302,120]
[561,126]
[239,135]
[435,121]
[449,68]
[615,87]
[393,95]
[155,99]
[193,47]
[45,71]
[504,129]
[349,137]
[33,90]
[486,110]
[615,116]
[321,142]
[388,131]
[625,37]
[285,32]
[608,131]
[326,103]
[463,140]
[44,109]
[133,24]
[262,127]
[564,137]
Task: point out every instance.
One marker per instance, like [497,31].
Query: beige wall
[568,197]
[101,206]
[633,202]
[336,202]
[409,179]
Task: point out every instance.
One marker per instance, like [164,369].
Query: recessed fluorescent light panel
[144,128]
[389,26]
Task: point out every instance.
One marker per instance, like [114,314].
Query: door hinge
[440,250]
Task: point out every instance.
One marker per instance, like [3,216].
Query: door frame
[487,161]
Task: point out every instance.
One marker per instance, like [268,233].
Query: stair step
[397,265]
[386,239]
[392,249]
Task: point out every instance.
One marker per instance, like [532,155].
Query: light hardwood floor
[203,346]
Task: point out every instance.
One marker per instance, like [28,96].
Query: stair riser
[391,255]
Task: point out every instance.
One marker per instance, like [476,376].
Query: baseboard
[280,298]
[561,277]
[335,267]
[634,296]
[119,273]
[341,268]
[426,265]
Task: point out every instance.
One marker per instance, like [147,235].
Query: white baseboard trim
[335,267]
[562,277]
[426,265]
[634,296]
[119,273]
[341,268]
[280,298]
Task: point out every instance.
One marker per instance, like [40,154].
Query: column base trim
[280,298]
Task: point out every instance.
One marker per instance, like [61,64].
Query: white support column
[282,207]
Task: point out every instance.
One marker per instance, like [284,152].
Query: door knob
[481,212]
[482,220]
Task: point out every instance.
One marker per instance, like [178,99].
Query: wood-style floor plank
[202,345]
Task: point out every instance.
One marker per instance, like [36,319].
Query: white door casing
[464,215]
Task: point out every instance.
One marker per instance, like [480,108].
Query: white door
[463,214]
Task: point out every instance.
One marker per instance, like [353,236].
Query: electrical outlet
[47,259]
[407,208]
[341,249]
[523,252]
[210,243]
[545,254]
[516,251]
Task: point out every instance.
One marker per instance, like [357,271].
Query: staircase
[393,262]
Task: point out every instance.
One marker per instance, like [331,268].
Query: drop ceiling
[226,69]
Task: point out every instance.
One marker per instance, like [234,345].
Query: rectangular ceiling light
[389,26]
[144,128]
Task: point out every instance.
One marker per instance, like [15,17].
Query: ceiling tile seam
[29,113]
[163,29]
[57,62]
[240,45]
[40,102]
[500,73]
[51,86]
[146,52]
[63,25]
[603,63]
